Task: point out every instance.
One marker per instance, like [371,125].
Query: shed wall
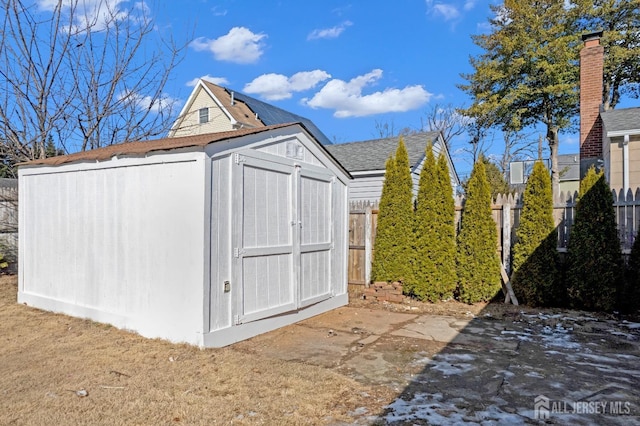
[119,242]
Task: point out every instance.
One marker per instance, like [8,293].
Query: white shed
[206,239]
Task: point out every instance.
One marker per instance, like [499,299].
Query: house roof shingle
[621,121]
[372,154]
[144,147]
[261,112]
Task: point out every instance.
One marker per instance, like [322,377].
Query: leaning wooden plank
[507,284]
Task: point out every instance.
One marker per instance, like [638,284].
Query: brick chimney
[591,76]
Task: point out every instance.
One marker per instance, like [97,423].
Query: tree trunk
[552,138]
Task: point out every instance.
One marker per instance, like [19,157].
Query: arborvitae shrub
[477,261]
[434,274]
[594,258]
[535,254]
[392,248]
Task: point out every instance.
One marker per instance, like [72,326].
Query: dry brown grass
[45,358]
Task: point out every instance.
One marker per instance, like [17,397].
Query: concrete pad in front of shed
[359,321]
[317,346]
[432,327]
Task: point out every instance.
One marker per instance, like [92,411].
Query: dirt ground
[368,363]
[45,359]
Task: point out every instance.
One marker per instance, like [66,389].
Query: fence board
[505,210]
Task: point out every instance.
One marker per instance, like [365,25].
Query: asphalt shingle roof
[373,154]
[620,120]
[271,115]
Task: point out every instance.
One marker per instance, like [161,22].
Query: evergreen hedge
[594,257]
[478,265]
[535,255]
[392,247]
[434,272]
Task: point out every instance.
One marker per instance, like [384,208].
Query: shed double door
[282,236]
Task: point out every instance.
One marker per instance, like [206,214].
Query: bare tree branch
[81,76]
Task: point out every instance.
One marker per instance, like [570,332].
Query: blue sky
[347,65]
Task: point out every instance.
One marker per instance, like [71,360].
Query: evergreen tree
[535,253]
[433,275]
[478,265]
[594,258]
[392,248]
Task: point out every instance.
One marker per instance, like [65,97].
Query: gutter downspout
[625,164]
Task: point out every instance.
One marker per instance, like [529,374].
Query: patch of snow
[433,409]
[631,325]
[534,374]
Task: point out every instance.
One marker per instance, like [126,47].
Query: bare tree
[517,146]
[445,119]
[81,74]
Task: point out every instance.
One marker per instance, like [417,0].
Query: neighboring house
[206,239]
[569,168]
[609,139]
[621,147]
[366,160]
[212,108]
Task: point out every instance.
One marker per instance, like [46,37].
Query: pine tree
[434,268]
[535,253]
[478,265]
[392,247]
[594,258]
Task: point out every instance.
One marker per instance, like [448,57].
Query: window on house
[204,115]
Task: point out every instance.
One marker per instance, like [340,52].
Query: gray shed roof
[619,122]
[372,154]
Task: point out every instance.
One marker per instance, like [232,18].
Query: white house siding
[366,188]
[190,124]
[118,242]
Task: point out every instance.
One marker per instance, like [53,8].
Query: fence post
[506,235]
[367,245]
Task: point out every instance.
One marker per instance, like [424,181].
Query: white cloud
[240,46]
[220,81]
[348,101]
[145,102]
[446,11]
[96,14]
[275,87]
[333,32]
[449,11]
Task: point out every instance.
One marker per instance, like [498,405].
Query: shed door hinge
[236,319]
[237,252]
[237,158]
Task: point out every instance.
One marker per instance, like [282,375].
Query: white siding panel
[280,149]
[366,188]
[316,211]
[123,241]
[315,270]
[220,315]
[267,283]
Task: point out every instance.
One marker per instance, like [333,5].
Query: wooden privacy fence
[9,220]
[506,211]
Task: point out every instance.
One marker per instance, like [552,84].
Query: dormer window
[204,115]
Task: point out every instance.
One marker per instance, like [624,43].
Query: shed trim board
[206,245]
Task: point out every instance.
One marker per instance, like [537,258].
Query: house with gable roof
[212,108]
[609,139]
[365,161]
